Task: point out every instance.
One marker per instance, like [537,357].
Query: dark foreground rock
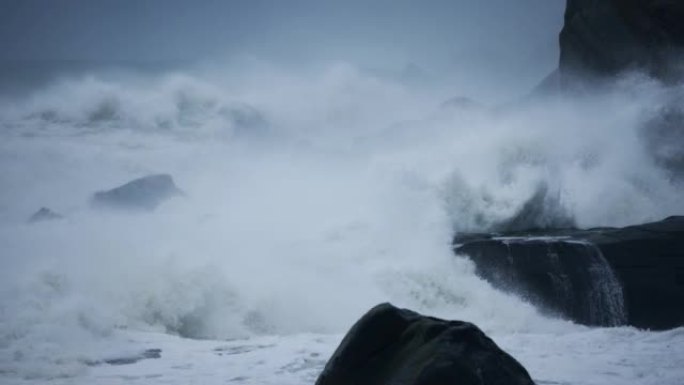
[606,276]
[397,346]
[145,193]
[44,214]
[602,38]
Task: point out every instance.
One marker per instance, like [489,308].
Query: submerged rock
[128,360]
[145,193]
[606,276]
[44,214]
[389,345]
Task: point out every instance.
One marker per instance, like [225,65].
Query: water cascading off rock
[604,276]
[564,277]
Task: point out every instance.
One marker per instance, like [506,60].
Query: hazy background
[501,44]
[322,173]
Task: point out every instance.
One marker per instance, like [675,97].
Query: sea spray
[346,193]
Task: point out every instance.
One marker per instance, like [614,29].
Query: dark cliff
[603,38]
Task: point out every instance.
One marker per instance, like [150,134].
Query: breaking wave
[309,198]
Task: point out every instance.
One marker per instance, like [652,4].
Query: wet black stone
[647,259]
[389,345]
[565,278]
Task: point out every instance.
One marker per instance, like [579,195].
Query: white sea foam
[308,199]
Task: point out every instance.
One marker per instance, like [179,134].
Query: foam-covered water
[308,199]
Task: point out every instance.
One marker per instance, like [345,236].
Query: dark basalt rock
[389,345]
[564,277]
[574,273]
[602,38]
[145,193]
[649,261]
[44,214]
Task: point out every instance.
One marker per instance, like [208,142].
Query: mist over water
[309,197]
[327,154]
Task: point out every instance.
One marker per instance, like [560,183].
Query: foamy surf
[302,209]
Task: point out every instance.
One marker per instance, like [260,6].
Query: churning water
[308,198]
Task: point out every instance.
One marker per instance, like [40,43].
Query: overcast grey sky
[514,38]
[181,30]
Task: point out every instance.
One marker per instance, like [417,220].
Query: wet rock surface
[389,345]
[561,271]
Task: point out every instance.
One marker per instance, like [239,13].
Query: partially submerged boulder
[389,345]
[144,193]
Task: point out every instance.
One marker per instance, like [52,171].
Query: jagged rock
[563,271]
[389,345]
[602,38]
[44,214]
[145,193]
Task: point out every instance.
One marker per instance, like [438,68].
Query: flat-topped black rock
[605,276]
[389,345]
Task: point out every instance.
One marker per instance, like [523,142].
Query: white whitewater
[308,199]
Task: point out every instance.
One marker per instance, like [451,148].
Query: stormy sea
[302,197]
